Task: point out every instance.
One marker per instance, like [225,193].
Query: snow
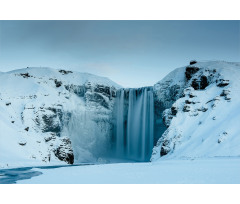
[198,171]
[199,134]
[22,97]
[191,135]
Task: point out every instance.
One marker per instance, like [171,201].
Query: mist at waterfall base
[90,140]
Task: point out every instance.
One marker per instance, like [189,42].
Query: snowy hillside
[50,116]
[203,114]
[43,112]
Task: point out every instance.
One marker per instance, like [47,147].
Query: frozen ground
[196,171]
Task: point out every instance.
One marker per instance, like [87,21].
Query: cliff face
[202,115]
[52,116]
[42,108]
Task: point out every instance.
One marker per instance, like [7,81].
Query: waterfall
[134,123]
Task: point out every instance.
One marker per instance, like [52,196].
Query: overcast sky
[131,53]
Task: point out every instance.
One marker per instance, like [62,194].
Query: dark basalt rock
[225,93]
[189,102]
[25,75]
[64,71]
[200,84]
[22,143]
[203,82]
[47,139]
[190,71]
[58,83]
[64,152]
[193,62]
[165,148]
[7,104]
[27,128]
[195,84]
[203,109]
[174,110]
[222,82]
[191,96]
[61,155]
[186,108]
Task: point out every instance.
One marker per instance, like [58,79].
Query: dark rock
[64,152]
[7,104]
[12,121]
[203,82]
[174,110]
[200,84]
[47,139]
[186,108]
[58,83]
[195,84]
[25,75]
[193,62]
[189,102]
[222,83]
[203,109]
[191,96]
[165,148]
[22,143]
[27,128]
[225,93]
[65,72]
[190,71]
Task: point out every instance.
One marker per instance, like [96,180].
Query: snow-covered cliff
[202,111]
[50,116]
[46,113]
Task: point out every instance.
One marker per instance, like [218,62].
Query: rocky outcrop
[190,71]
[48,104]
[193,62]
[189,120]
[64,151]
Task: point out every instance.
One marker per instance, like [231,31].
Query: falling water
[135,123]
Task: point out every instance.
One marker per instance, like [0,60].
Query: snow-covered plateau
[186,124]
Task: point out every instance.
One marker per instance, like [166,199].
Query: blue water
[11,176]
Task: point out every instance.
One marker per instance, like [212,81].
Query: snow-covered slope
[203,112]
[50,116]
[41,109]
